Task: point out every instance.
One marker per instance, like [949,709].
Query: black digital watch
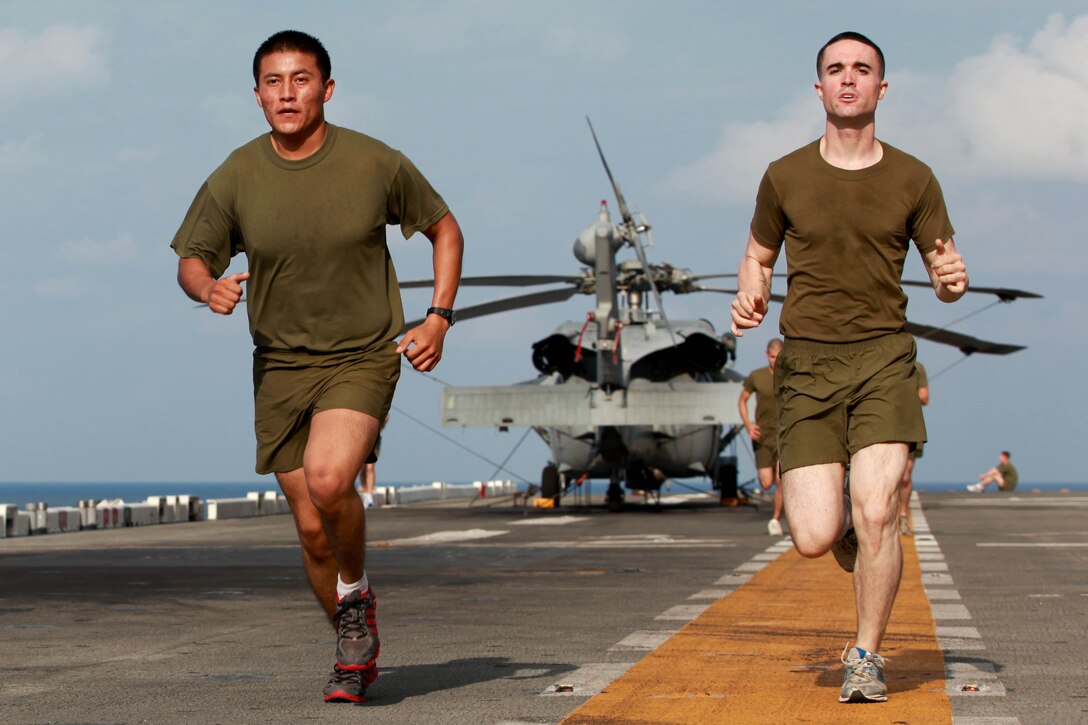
[443,312]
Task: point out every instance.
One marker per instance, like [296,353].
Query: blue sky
[117,111]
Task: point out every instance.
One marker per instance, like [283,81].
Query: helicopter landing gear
[614,496]
[550,484]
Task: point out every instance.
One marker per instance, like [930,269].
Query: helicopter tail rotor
[633,232]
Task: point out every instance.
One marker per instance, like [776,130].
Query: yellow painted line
[769,652]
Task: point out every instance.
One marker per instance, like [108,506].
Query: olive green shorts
[837,398]
[919,448]
[290,387]
[766,451]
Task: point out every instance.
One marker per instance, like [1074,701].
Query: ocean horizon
[70,494]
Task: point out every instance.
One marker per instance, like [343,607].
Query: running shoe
[774,527]
[357,642]
[845,550]
[974,487]
[904,526]
[345,686]
[863,680]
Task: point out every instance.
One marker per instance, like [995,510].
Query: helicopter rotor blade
[966,344]
[508,303]
[1004,294]
[625,213]
[633,233]
[500,280]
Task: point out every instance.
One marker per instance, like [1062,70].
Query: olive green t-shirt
[313,231]
[761,382]
[846,234]
[1008,472]
[923,381]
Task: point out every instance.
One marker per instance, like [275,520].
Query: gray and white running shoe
[357,642]
[846,550]
[345,686]
[863,680]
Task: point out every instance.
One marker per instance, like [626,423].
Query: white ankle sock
[342,589]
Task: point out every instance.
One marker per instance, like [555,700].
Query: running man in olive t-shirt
[907,484]
[846,208]
[308,204]
[764,432]
[1004,475]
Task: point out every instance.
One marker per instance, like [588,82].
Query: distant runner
[308,204]
[907,485]
[1004,475]
[846,207]
[764,432]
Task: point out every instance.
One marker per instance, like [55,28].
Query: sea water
[70,494]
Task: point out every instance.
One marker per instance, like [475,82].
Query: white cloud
[21,154]
[581,42]
[59,56]
[62,287]
[1024,112]
[139,155]
[1008,113]
[99,253]
[731,171]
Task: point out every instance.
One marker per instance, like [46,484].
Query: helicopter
[628,395]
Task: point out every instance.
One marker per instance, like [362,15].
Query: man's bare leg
[339,443]
[814,506]
[317,557]
[906,487]
[329,515]
[875,475]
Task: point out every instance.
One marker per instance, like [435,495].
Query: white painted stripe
[443,537]
[683,612]
[733,580]
[766,557]
[634,541]
[712,593]
[949,611]
[930,556]
[957,644]
[965,632]
[962,679]
[752,566]
[643,639]
[1034,545]
[556,521]
[932,566]
[972,679]
[587,680]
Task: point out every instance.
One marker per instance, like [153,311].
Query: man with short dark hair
[906,486]
[764,432]
[1004,475]
[308,204]
[846,208]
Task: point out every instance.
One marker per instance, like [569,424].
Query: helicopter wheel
[549,483]
[614,497]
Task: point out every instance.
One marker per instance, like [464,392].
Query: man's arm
[221,295]
[923,396]
[947,271]
[742,403]
[753,286]
[422,345]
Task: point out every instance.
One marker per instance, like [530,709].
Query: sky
[118,111]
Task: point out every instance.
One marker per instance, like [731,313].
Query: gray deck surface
[212,622]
